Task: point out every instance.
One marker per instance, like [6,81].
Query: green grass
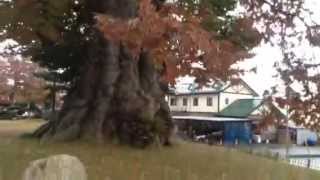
[184,161]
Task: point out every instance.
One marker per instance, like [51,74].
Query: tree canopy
[57,32]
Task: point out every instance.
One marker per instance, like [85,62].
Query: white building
[233,109]
[210,99]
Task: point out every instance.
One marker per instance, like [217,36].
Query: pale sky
[264,60]
[266,56]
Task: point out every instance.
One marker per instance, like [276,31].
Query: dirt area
[14,128]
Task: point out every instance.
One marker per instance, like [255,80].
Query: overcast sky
[266,56]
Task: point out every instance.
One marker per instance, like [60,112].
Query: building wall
[225,100]
[201,107]
[219,100]
[304,134]
[231,97]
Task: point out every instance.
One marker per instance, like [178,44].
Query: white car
[257,138]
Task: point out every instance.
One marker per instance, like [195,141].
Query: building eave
[195,93]
[214,119]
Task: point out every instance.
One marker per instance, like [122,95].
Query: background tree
[288,25]
[18,83]
[4,88]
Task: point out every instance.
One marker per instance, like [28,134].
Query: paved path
[302,156]
[298,151]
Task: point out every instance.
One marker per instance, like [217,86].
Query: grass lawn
[184,161]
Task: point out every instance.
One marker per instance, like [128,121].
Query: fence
[312,163]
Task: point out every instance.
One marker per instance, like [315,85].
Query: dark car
[19,111]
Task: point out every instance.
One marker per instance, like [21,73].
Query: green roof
[241,108]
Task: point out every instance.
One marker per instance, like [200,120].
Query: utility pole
[53,100]
[287,133]
[288,138]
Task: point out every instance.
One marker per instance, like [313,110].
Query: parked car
[257,138]
[19,111]
[11,112]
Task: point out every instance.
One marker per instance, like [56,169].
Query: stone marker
[59,167]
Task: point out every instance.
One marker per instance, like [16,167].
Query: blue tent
[237,130]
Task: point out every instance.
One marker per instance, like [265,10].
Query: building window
[195,102]
[226,101]
[209,101]
[185,101]
[173,102]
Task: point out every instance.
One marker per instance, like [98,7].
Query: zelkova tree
[119,57]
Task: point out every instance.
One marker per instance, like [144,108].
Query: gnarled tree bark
[116,97]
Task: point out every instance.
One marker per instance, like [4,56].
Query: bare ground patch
[14,128]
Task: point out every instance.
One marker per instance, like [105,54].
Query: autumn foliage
[177,41]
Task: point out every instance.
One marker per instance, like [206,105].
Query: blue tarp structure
[240,131]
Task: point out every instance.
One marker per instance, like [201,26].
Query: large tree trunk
[116,97]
